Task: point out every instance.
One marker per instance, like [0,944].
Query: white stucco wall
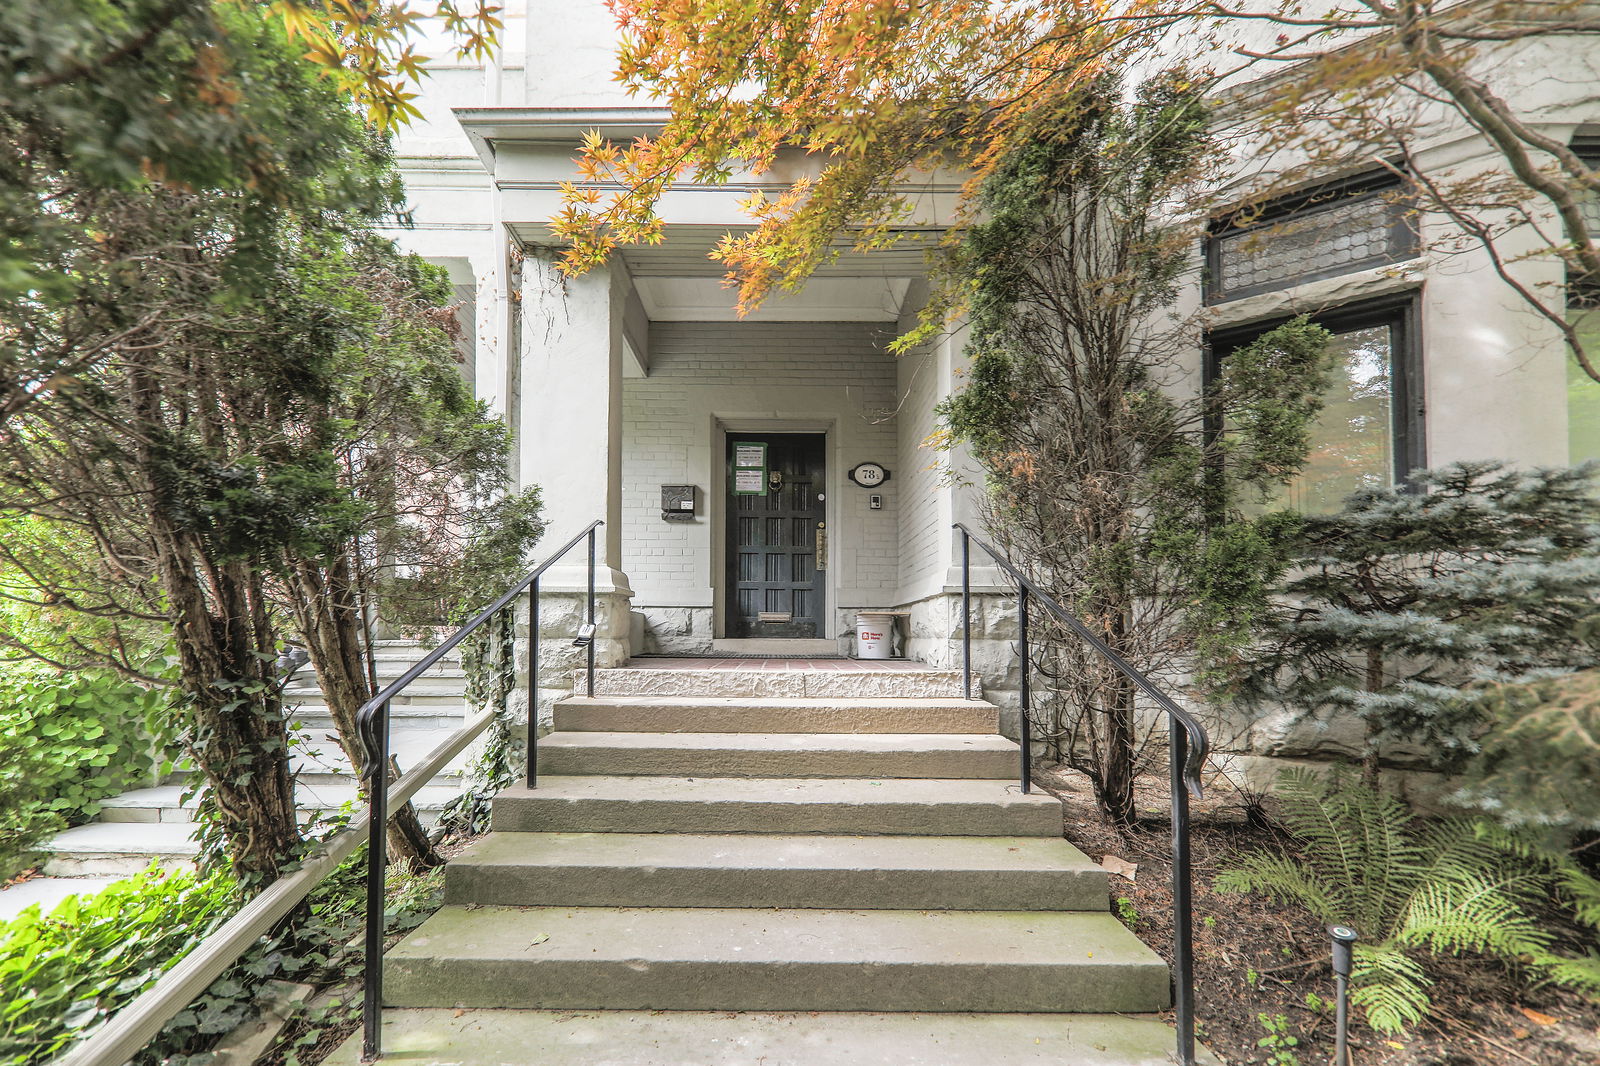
[573,45]
[926,511]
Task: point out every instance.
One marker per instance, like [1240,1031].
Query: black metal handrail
[372,726]
[1188,747]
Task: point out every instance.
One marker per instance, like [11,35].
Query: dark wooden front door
[774,580]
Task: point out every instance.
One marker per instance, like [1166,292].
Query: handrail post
[1026,688]
[1182,897]
[533,684]
[590,646]
[505,634]
[1186,734]
[966,615]
[377,858]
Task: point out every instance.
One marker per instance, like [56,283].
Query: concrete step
[798,960]
[440,673]
[325,760]
[705,1038]
[893,807]
[47,893]
[112,849]
[320,730]
[900,683]
[735,870]
[164,803]
[944,755]
[729,714]
[439,697]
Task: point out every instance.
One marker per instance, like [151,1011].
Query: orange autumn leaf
[892,97]
[874,89]
[1536,1017]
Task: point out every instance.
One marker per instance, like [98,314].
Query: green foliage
[1279,1041]
[1416,889]
[93,616]
[189,284]
[25,815]
[443,530]
[68,741]
[1406,595]
[201,96]
[420,461]
[66,972]
[167,372]
[1121,498]
[1127,912]
[308,948]
[1539,755]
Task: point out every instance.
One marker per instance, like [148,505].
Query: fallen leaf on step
[459,1012]
[1536,1017]
[1116,864]
[540,939]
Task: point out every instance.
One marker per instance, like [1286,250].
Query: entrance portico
[639,376]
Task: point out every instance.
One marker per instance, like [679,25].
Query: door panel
[772,540]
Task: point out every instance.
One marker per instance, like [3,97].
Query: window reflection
[1583,397]
[1352,443]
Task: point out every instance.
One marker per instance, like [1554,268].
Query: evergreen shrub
[1404,604]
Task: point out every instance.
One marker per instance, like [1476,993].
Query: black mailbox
[677,503]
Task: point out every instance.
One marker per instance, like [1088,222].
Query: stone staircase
[154,824]
[774,867]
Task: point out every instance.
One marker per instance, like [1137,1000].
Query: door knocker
[774,480]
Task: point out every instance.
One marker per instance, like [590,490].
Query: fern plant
[1416,889]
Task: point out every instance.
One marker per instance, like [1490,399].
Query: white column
[570,409]
[569,444]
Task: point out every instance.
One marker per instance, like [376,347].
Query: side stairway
[797,867]
[149,824]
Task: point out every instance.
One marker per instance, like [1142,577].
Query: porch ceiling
[685,252]
[678,281]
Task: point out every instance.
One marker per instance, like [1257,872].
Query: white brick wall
[786,376]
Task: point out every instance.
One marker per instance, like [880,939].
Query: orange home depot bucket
[874,633]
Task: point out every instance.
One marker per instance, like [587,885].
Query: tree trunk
[1116,790]
[238,737]
[1118,765]
[225,641]
[329,615]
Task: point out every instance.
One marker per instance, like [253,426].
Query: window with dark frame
[1583,309]
[1585,292]
[1370,432]
[1317,233]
